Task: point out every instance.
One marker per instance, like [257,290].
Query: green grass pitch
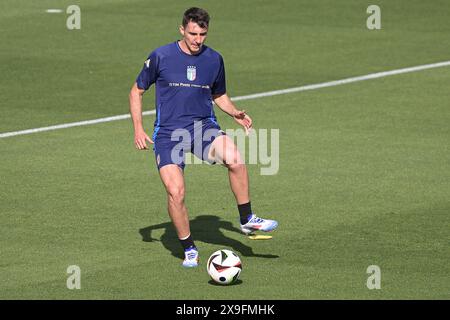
[364,176]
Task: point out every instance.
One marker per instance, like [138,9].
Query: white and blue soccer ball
[224,266]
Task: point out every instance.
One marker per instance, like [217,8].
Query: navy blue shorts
[171,148]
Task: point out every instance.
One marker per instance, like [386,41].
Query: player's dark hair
[197,15]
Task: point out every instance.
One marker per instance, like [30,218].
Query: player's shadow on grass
[205,228]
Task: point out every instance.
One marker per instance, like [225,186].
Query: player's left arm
[226,105]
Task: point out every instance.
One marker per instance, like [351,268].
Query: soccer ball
[224,266]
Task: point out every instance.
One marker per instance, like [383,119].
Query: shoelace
[256,220]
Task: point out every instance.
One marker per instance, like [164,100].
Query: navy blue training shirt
[184,85]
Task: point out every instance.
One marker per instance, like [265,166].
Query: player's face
[193,37]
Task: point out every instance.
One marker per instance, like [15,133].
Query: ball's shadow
[236,283]
[205,228]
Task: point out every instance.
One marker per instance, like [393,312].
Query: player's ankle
[245,212]
[187,243]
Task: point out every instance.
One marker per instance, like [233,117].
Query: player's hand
[140,140]
[243,119]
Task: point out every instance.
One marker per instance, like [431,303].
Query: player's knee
[175,194]
[233,159]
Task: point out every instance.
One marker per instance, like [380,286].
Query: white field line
[240,98]
[53,11]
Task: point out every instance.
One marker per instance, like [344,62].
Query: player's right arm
[145,79]
[135,99]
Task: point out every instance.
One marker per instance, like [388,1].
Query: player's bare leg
[224,151]
[173,180]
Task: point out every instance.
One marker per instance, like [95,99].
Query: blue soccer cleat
[190,258]
[258,224]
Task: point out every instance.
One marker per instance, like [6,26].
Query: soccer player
[189,76]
